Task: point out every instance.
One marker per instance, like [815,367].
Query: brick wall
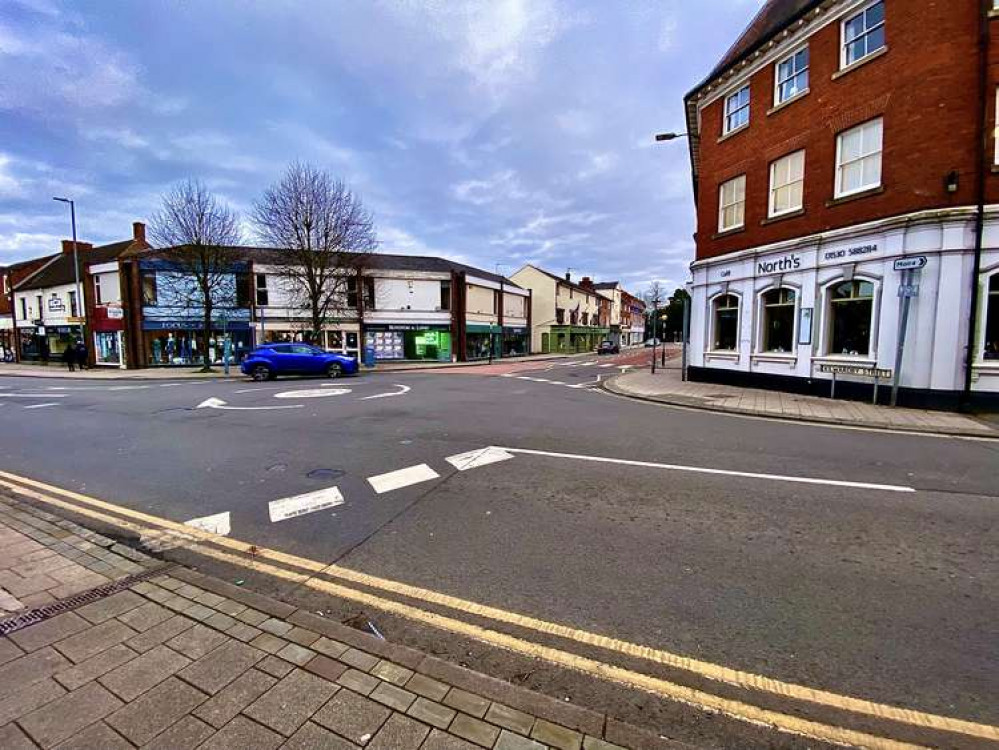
[926,88]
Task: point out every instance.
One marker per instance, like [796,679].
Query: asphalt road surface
[857,562]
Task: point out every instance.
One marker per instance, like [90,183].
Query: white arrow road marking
[217,403]
[216,524]
[405,389]
[313,393]
[41,406]
[476,458]
[300,505]
[395,480]
[723,472]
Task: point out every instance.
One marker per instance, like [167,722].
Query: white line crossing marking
[400,478]
[41,406]
[300,505]
[476,458]
[214,524]
[722,472]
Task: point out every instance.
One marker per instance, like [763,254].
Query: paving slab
[314,737]
[399,733]
[91,641]
[28,698]
[187,733]
[49,631]
[95,666]
[218,668]
[98,735]
[130,680]
[432,713]
[155,710]
[65,716]
[243,734]
[352,716]
[474,730]
[286,706]
[234,697]
[12,738]
[38,665]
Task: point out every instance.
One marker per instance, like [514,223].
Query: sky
[494,133]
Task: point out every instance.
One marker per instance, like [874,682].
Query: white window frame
[727,114]
[838,187]
[825,345]
[98,299]
[842,35]
[722,205]
[713,307]
[772,211]
[762,322]
[806,70]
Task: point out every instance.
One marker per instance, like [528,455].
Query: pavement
[105,647]
[666,386]
[720,581]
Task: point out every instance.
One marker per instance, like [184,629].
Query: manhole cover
[325,474]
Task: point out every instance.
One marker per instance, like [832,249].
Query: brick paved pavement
[182,660]
[666,386]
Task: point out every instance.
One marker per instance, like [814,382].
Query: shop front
[343,338]
[169,343]
[483,341]
[41,343]
[108,327]
[430,343]
[575,339]
[516,341]
[8,339]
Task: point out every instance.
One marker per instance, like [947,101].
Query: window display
[107,348]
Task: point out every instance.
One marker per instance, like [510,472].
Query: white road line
[507,375]
[405,389]
[476,458]
[41,406]
[723,472]
[215,524]
[250,390]
[395,480]
[313,393]
[606,364]
[301,505]
[34,395]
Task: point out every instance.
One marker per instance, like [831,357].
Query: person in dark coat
[81,355]
[69,357]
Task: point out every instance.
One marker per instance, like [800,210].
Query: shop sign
[406,327]
[848,253]
[115,313]
[76,320]
[791,262]
[56,304]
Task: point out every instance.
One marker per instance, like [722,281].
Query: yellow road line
[689,696]
[702,668]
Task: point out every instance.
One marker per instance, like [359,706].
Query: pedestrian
[81,354]
[69,357]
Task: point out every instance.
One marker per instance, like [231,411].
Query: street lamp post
[76,262]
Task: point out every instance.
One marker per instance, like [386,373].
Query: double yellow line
[261,559]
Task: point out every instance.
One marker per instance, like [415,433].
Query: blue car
[268,361]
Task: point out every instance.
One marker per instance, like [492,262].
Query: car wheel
[260,373]
[334,370]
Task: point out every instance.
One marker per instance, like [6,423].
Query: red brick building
[11,276]
[835,138]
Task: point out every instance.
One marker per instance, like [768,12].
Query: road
[856,562]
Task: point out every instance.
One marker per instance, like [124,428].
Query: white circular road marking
[313,393]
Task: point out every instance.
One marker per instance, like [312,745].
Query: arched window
[992,319]
[778,320]
[851,309]
[726,322]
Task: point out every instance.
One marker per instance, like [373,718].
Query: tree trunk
[206,335]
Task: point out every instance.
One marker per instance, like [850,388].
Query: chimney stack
[67,246]
[138,231]
[568,276]
[586,282]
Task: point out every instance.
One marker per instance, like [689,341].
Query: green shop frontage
[430,343]
[572,339]
[504,341]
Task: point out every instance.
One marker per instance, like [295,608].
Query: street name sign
[867,372]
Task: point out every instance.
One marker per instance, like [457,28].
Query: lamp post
[76,261]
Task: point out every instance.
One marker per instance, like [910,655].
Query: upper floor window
[858,158]
[24,308]
[260,288]
[737,109]
[732,204]
[368,285]
[97,290]
[149,295]
[242,290]
[72,304]
[792,76]
[445,295]
[787,183]
[863,33]
[560,315]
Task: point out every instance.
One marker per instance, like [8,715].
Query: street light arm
[671,136]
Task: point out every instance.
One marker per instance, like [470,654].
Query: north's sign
[790,262]
[913,263]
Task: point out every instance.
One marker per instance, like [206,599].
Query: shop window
[149,295]
[262,297]
[787,184]
[778,320]
[851,309]
[98,299]
[732,204]
[792,76]
[858,158]
[445,295]
[726,323]
[242,290]
[863,33]
[992,319]
[736,110]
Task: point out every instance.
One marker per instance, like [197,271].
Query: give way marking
[215,524]
[395,480]
[300,505]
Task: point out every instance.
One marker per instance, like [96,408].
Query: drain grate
[23,620]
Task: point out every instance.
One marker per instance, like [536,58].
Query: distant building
[627,314]
[835,138]
[565,316]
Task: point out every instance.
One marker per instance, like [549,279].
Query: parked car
[608,347]
[653,342]
[268,361]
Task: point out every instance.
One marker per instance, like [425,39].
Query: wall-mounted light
[951,181]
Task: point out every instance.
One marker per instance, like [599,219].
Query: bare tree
[198,235]
[326,235]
